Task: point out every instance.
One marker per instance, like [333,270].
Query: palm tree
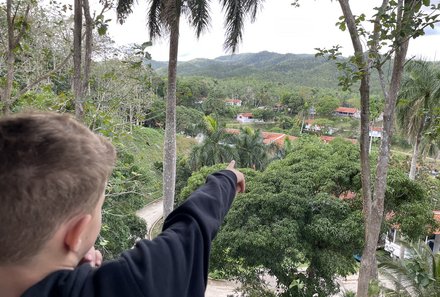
[418,98]
[417,276]
[216,147]
[251,150]
[165,16]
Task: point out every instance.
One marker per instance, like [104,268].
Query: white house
[246,117]
[309,125]
[376,132]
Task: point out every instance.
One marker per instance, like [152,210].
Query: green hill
[292,69]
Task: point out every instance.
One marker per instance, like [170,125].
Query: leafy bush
[125,195]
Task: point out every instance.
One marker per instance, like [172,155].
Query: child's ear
[76,232]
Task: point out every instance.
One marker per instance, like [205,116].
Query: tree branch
[23,26]
[43,77]
[382,81]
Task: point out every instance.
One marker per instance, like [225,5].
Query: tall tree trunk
[368,267]
[373,203]
[6,96]
[169,158]
[77,40]
[88,46]
[415,155]
[374,223]
[13,41]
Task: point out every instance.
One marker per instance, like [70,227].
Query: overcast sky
[279,27]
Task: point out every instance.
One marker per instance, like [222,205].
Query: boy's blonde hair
[51,168]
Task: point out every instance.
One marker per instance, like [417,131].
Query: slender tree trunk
[88,46]
[373,206]
[377,209]
[77,40]
[415,155]
[10,60]
[6,96]
[169,158]
[368,267]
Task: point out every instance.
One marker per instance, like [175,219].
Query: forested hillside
[292,69]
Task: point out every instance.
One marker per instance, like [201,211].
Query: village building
[246,117]
[376,132]
[310,125]
[268,137]
[348,112]
[233,102]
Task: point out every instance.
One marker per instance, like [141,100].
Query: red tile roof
[346,110]
[378,129]
[279,138]
[327,139]
[268,137]
[246,114]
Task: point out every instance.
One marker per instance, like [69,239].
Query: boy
[53,173]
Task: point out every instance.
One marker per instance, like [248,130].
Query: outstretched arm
[176,262]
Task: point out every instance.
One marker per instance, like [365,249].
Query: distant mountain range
[298,70]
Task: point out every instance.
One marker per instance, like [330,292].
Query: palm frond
[234,13]
[414,276]
[199,15]
[251,7]
[123,9]
[155,21]
[419,95]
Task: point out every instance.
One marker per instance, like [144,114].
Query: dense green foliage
[291,217]
[292,224]
[419,275]
[410,204]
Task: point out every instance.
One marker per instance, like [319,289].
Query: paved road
[151,213]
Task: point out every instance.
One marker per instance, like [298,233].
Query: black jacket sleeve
[176,262]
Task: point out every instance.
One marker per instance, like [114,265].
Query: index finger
[231,165]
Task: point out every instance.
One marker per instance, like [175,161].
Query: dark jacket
[175,264]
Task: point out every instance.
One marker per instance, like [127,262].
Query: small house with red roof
[233,102]
[376,132]
[246,117]
[276,138]
[348,112]
[310,125]
[268,137]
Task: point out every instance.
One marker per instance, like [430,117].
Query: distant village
[309,124]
